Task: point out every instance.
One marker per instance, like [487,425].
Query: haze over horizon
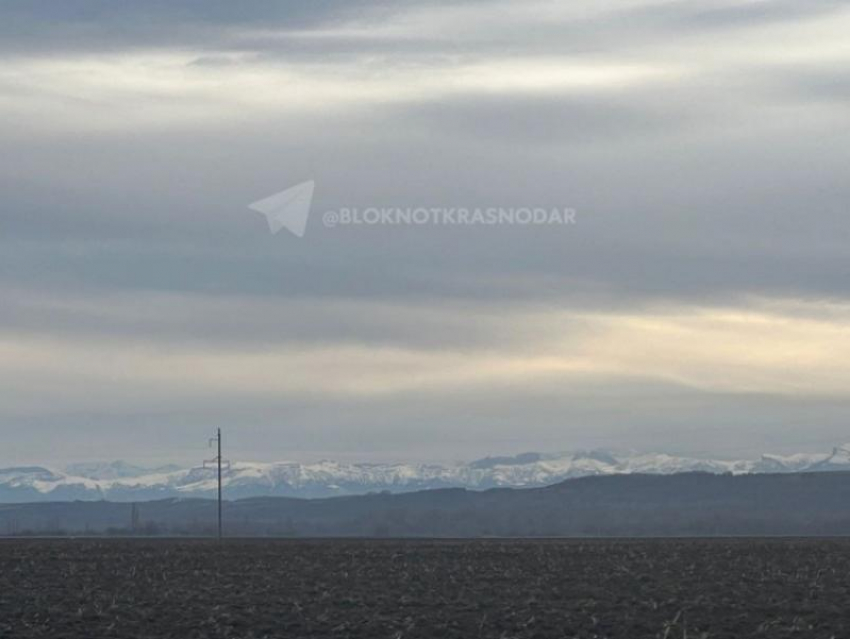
[193,457]
[699,305]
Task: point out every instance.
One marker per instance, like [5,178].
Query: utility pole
[218,461]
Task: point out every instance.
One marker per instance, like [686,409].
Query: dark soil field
[373,589]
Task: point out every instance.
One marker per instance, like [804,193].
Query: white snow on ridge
[124,482]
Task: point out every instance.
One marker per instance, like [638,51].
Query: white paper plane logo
[288,209]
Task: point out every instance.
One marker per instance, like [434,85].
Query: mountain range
[681,504]
[121,481]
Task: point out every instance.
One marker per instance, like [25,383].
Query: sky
[699,304]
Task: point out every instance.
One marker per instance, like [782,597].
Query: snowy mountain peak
[113,470]
[838,460]
[121,481]
[516,460]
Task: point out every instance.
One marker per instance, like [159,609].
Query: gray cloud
[548,120]
[706,159]
[99,25]
[747,14]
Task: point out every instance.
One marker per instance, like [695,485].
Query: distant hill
[121,481]
[701,504]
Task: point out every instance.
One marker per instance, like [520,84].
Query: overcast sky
[700,304]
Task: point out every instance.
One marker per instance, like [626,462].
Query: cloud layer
[700,300]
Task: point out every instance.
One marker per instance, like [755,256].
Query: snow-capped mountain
[114,470]
[119,481]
